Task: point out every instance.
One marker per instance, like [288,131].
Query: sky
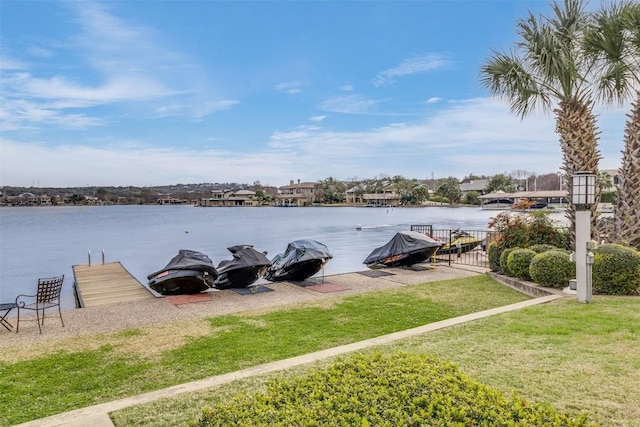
[161,92]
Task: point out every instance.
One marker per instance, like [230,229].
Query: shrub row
[374,390]
[616,268]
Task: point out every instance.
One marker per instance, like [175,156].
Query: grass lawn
[38,381]
[578,358]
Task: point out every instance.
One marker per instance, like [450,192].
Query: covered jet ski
[404,249]
[301,260]
[461,242]
[189,272]
[246,267]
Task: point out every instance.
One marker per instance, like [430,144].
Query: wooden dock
[109,283]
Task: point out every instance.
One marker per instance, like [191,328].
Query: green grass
[577,358]
[63,380]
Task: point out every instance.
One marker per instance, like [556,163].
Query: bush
[377,390]
[529,229]
[616,270]
[518,262]
[504,256]
[494,256]
[552,269]
[542,231]
[471,198]
[542,248]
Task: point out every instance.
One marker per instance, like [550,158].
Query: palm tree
[613,42]
[547,69]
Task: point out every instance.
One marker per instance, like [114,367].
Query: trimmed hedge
[542,248]
[518,262]
[494,252]
[504,256]
[376,390]
[552,269]
[616,270]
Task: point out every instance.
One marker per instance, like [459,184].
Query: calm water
[48,241]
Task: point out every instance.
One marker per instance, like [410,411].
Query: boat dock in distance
[109,283]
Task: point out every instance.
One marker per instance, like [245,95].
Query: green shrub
[543,247]
[504,256]
[552,269]
[400,389]
[518,262]
[616,270]
[493,253]
[542,230]
[529,229]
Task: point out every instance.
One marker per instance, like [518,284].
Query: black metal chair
[47,296]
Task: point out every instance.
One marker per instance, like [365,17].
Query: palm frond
[507,78]
[607,45]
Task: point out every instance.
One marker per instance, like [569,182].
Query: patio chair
[47,296]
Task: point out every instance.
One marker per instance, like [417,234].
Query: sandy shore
[111,318]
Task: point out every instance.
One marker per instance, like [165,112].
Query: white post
[583,235]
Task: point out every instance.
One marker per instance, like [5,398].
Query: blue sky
[162,92]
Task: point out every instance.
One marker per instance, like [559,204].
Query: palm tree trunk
[576,126]
[627,210]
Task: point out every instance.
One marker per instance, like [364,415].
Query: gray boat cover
[243,256]
[189,260]
[404,242]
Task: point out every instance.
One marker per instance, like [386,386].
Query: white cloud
[12,64]
[291,88]
[350,104]
[121,65]
[415,65]
[317,118]
[433,100]
[40,52]
[476,135]
[347,88]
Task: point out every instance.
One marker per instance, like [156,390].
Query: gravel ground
[111,318]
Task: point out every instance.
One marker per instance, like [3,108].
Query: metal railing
[465,247]
[89,256]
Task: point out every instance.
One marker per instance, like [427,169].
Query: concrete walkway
[97,415]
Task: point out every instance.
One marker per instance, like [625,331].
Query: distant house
[354,195]
[230,198]
[296,194]
[386,195]
[477,185]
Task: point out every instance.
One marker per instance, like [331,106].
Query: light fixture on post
[583,196]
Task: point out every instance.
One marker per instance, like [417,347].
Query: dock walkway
[108,283]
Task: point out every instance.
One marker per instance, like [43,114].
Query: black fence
[467,247]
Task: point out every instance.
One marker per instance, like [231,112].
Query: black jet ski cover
[299,253]
[243,256]
[189,260]
[246,267]
[303,250]
[403,243]
[182,274]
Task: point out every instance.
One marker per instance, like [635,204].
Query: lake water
[48,241]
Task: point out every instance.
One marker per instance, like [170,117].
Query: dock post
[103,256]
[89,257]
